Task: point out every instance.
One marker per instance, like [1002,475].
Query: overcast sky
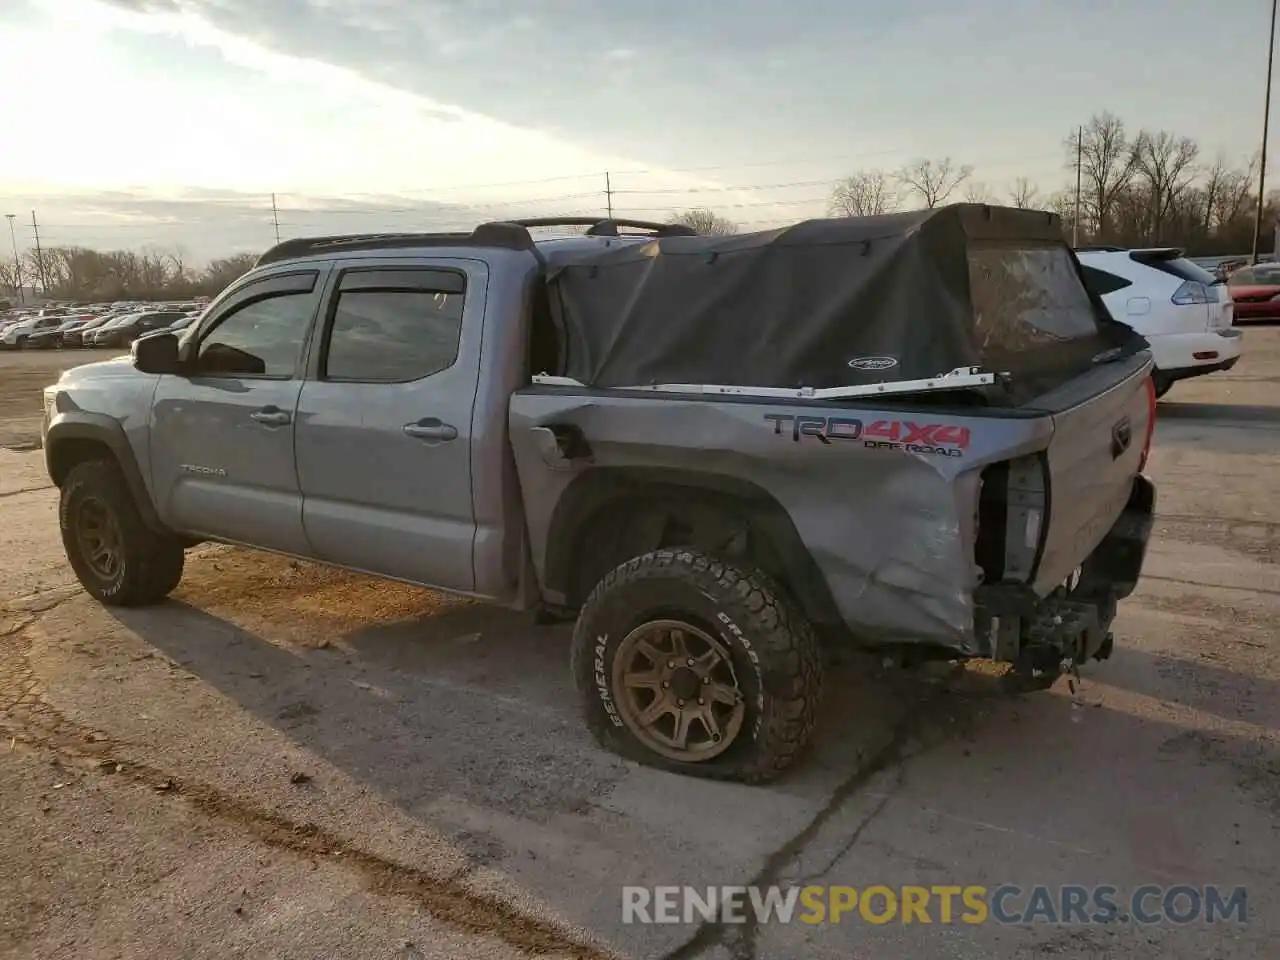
[132,122]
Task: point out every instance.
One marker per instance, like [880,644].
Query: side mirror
[157,353]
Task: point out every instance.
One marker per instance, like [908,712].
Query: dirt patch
[23,377]
[1257,539]
[27,719]
[244,587]
[1216,614]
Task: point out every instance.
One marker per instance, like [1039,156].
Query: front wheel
[117,558]
[693,665]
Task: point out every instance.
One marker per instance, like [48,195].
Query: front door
[384,421]
[222,461]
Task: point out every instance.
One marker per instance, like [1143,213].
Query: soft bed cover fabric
[829,303]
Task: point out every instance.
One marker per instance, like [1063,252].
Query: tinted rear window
[1179,267]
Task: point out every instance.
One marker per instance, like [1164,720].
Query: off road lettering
[943,439]
[927,434]
[822,429]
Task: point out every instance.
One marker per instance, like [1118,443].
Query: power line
[436,211]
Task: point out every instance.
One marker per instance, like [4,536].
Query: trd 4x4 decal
[937,439]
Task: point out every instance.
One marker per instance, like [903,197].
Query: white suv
[16,335]
[1184,311]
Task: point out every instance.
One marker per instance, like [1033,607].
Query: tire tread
[154,561]
[790,654]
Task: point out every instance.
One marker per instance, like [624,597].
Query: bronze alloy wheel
[98,535]
[677,692]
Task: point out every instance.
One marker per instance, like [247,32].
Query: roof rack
[508,234]
[608,226]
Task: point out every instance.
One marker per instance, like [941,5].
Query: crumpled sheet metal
[891,531]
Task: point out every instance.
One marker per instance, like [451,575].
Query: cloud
[207,223]
[557,64]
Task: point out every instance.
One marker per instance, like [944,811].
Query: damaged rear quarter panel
[889,524]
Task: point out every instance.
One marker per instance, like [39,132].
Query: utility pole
[608,194]
[1075,226]
[1266,121]
[17,262]
[275,217]
[35,229]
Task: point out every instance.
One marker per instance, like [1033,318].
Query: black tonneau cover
[842,302]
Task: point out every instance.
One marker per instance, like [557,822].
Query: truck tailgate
[1096,450]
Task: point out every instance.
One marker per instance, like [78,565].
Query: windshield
[1262,274]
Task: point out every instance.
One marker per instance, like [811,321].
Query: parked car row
[112,325]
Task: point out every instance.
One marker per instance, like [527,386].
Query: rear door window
[395,325]
[1179,267]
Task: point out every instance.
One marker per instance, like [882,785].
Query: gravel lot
[292,762]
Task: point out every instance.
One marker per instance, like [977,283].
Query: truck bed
[893,512]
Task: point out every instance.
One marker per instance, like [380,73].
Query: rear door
[385,420]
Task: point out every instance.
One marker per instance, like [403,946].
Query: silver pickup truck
[725,457]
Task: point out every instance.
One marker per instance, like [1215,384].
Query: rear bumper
[1180,355]
[1012,624]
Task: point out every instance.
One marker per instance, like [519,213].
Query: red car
[1256,291]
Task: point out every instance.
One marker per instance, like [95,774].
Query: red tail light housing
[1151,423]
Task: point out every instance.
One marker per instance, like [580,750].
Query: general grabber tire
[117,558]
[678,642]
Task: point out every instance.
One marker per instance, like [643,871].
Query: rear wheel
[690,664]
[117,558]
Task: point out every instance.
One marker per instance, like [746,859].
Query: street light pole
[17,263]
[1266,121]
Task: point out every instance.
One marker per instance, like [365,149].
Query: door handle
[430,428]
[271,416]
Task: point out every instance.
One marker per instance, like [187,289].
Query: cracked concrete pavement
[289,761]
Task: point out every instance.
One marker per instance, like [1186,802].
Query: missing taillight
[1151,423]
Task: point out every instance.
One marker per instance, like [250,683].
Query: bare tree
[9,277]
[1233,195]
[868,193]
[1107,166]
[933,181]
[80,273]
[1167,164]
[1025,195]
[706,222]
[975,192]
[223,272]
[1063,203]
[1215,178]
